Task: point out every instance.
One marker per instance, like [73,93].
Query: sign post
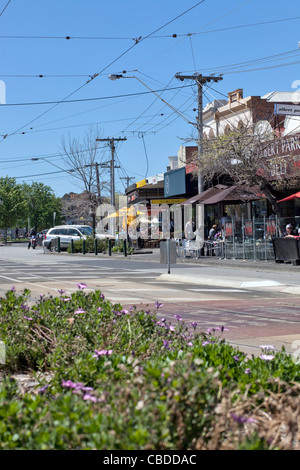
[168,253]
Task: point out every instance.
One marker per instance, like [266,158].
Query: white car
[66,233]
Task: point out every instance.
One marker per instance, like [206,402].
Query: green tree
[12,203]
[41,203]
[239,156]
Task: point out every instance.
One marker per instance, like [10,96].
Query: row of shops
[233,203]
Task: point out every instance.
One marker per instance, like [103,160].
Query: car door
[64,242]
[73,234]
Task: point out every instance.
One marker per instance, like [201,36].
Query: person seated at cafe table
[290,231]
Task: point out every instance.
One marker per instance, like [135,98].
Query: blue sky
[104,40]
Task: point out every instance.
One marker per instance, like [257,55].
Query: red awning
[289,198]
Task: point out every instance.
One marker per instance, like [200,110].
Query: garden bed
[83,373]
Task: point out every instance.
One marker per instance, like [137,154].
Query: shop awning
[289,198]
[227,194]
[205,194]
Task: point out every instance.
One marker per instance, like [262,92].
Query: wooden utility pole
[112,141]
[127,178]
[200,80]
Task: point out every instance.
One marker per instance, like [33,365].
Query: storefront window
[259,208]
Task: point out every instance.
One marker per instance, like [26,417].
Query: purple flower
[102,297]
[158,305]
[166,343]
[42,390]
[116,312]
[205,343]
[13,289]
[172,328]
[222,328]
[99,309]
[27,318]
[236,358]
[102,352]
[210,330]
[66,299]
[124,311]
[267,346]
[89,397]
[42,296]
[80,310]
[68,384]
[190,344]
[247,371]
[178,317]
[266,357]
[24,307]
[194,324]
[81,285]
[242,419]
[61,291]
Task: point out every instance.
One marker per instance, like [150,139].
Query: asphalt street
[258,303]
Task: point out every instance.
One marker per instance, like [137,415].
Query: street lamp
[115,76]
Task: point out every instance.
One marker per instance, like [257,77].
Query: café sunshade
[289,198]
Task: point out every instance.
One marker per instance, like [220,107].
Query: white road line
[212,289]
[14,280]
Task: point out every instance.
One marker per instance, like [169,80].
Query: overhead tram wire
[138,41]
[260,60]
[172,36]
[3,10]
[47,156]
[87,99]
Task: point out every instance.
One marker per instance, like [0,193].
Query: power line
[87,99]
[138,41]
[172,36]
[5,7]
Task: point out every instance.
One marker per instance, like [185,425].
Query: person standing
[189,230]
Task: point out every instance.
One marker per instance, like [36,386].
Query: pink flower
[266,357]
[178,317]
[27,318]
[89,397]
[81,285]
[102,352]
[80,310]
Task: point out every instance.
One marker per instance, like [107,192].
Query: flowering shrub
[132,379]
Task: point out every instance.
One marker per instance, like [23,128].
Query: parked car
[66,233]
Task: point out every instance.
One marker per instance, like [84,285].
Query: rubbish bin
[287,250]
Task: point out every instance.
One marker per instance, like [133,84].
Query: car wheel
[52,248]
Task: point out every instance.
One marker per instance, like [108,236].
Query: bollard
[96,246]
[109,247]
[72,245]
[125,247]
[58,244]
[83,246]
